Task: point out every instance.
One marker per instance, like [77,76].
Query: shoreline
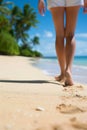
[51,68]
[31,100]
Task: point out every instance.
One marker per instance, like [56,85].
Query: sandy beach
[31,100]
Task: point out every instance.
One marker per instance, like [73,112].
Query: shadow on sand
[30,81]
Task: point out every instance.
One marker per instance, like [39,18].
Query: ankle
[68,70]
[68,74]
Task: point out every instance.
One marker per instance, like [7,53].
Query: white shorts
[64,3]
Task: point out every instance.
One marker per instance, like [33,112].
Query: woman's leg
[71,18]
[58,18]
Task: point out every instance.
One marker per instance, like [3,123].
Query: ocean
[50,66]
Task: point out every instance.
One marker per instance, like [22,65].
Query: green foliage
[4,7]
[37,54]
[4,24]
[30,53]
[15,24]
[26,52]
[8,45]
[35,40]
[22,20]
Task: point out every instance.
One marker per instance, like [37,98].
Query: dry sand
[30,100]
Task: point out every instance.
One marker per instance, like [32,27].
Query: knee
[69,35]
[59,39]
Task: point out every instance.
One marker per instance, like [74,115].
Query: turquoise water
[50,66]
[80,60]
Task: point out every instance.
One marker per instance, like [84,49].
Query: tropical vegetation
[15,24]
[8,45]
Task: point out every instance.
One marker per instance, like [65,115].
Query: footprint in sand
[78,124]
[69,109]
[57,127]
[80,87]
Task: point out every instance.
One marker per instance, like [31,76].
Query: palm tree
[4,7]
[22,21]
[4,24]
[35,40]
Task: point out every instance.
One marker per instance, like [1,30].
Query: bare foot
[68,79]
[60,78]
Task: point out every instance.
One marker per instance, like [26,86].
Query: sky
[46,32]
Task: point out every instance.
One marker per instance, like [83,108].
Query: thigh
[71,19]
[58,18]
